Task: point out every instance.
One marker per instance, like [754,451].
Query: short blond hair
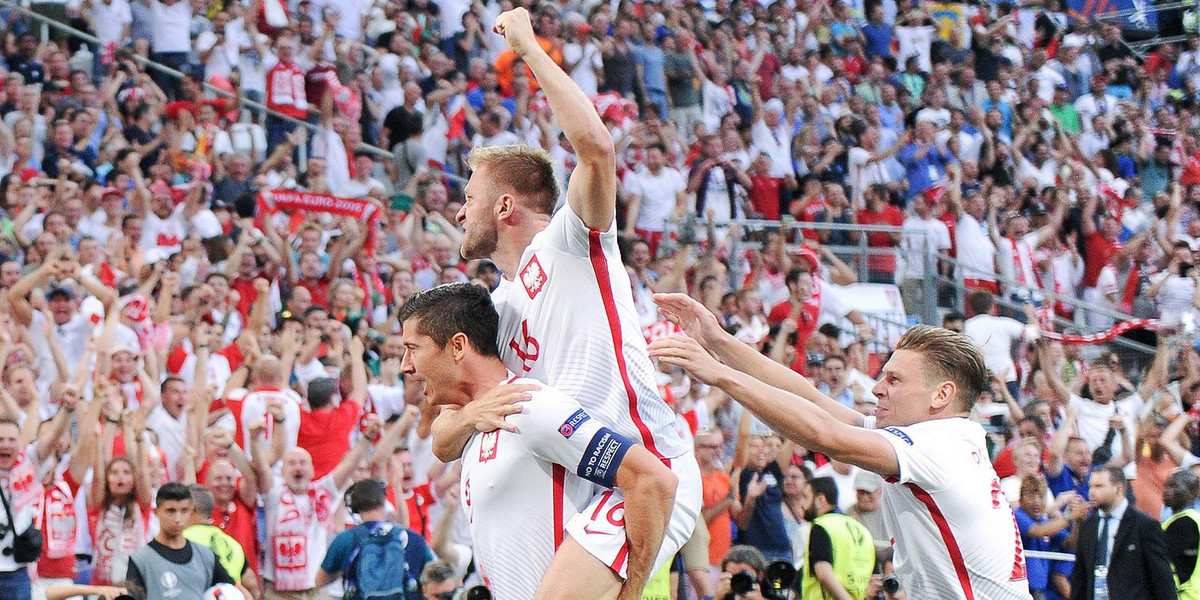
[949,356]
[527,171]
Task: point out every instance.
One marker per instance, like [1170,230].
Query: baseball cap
[867,481]
[60,289]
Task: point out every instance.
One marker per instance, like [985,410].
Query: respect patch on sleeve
[603,457]
[577,418]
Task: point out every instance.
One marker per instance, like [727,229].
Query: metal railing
[935,286]
[856,256]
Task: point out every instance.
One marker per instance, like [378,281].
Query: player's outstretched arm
[649,488]
[592,191]
[701,325]
[794,417]
[453,428]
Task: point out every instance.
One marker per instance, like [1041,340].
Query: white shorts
[600,528]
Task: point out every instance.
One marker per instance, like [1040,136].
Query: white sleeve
[922,460]
[557,429]
[568,234]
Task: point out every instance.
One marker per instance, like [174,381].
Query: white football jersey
[537,475]
[568,319]
[954,532]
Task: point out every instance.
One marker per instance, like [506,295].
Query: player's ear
[943,395]
[459,345]
[506,206]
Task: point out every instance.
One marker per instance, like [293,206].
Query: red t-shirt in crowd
[890,215]
[418,503]
[240,522]
[1098,251]
[326,435]
[764,195]
[246,294]
[807,213]
[318,288]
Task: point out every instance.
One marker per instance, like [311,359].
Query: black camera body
[778,582]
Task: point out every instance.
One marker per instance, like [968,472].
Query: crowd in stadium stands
[192,286]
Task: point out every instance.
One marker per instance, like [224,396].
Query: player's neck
[507,255]
[484,375]
[174,542]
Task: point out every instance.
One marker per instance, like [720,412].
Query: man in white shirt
[994,336]
[491,132]
[955,535]
[923,236]
[772,135]
[68,326]
[171,40]
[110,21]
[656,192]
[1096,103]
[300,512]
[976,251]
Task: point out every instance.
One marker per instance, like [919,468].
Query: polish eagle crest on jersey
[533,277]
[487,450]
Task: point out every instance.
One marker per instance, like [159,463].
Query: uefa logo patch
[577,418]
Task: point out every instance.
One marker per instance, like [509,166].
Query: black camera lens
[891,585]
[741,583]
[778,578]
[479,592]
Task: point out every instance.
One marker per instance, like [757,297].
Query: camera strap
[11,526]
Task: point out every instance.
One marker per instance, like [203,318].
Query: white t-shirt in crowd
[995,336]
[109,20]
[170,26]
[658,192]
[588,60]
[975,249]
[920,237]
[164,234]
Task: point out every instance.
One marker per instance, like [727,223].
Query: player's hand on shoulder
[517,29]
[491,410]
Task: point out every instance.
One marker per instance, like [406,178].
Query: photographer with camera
[841,551]
[745,575]
[741,569]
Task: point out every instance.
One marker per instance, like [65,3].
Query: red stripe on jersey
[600,266]
[619,561]
[956,557]
[559,473]
[514,378]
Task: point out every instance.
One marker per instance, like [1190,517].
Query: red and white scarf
[115,540]
[273,201]
[289,544]
[58,520]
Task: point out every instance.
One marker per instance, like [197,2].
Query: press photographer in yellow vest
[841,551]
